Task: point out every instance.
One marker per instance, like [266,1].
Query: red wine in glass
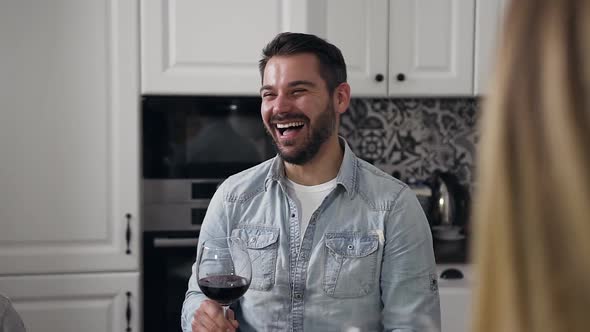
[224,270]
[224,289]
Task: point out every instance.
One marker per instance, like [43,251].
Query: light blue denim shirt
[366,261]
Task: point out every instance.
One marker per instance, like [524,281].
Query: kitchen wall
[414,137]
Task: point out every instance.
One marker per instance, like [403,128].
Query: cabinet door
[431,47]
[359,29]
[84,302]
[210,47]
[488,18]
[69,90]
[454,306]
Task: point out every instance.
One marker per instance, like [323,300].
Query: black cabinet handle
[128,312]
[401,77]
[451,274]
[379,77]
[128,234]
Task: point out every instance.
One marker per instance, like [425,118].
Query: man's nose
[282,104]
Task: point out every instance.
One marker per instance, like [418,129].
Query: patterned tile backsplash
[414,137]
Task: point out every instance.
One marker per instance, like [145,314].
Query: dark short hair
[332,65]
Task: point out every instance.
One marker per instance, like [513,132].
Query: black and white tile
[414,137]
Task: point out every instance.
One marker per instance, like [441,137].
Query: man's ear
[342,97]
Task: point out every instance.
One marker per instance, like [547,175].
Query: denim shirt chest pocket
[351,264]
[262,244]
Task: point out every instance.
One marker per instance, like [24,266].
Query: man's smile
[289,129]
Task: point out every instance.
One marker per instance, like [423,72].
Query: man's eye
[267,94]
[298,91]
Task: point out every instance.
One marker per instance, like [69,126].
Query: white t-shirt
[308,199]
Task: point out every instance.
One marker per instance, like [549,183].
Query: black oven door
[168,259]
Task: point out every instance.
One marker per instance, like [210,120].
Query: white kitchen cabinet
[96,302]
[488,24]
[359,29]
[431,47]
[210,47]
[401,47]
[455,299]
[455,310]
[69,102]
[204,47]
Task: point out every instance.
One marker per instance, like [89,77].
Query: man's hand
[209,317]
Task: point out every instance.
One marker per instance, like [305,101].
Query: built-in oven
[189,146]
[166,269]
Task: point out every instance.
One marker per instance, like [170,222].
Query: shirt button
[293,215]
[298,296]
[350,247]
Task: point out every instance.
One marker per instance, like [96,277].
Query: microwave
[188,137]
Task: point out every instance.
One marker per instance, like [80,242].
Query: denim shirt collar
[347,175]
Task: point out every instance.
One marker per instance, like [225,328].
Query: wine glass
[224,270]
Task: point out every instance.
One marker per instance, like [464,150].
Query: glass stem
[225,307]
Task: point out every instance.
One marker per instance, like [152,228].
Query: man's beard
[319,133]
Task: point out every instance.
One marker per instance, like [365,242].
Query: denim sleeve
[10,320]
[214,225]
[408,276]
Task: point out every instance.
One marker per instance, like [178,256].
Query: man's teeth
[289,125]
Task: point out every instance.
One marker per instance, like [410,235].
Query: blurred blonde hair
[532,211]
